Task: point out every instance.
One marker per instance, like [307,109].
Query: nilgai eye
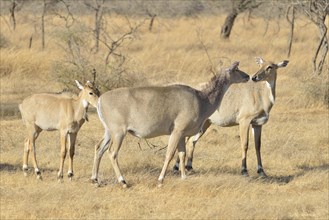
[90,93]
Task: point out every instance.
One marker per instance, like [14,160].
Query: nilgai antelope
[146,112]
[244,104]
[64,112]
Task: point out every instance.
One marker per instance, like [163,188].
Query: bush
[317,90]
[110,77]
[3,41]
[79,62]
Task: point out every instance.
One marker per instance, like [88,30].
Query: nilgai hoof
[160,183]
[175,169]
[189,170]
[25,170]
[95,182]
[70,175]
[38,175]
[60,177]
[261,173]
[244,172]
[124,184]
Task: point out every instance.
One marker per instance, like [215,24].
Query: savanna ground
[294,142]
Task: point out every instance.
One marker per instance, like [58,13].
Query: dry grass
[295,140]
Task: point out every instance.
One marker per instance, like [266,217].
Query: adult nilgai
[65,112]
[145,112]
[244,104]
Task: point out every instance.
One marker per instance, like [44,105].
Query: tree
[47,5]
[98,8]
[317,11]
[15,6]
[292,25]
[241,6]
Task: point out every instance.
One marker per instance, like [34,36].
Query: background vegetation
[54,42]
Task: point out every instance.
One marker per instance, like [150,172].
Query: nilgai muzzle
[244,104]
[65,112]
[146,112]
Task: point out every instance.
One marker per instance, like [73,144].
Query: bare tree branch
[212,68]
[317,11]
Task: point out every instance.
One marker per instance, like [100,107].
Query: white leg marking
[25,167]
[121,179]
[197,136]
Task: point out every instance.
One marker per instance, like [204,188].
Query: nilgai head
[235,75]
[220,82]
[267,69]
[89,93]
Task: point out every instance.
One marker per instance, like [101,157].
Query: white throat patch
[85,103]
[271,95]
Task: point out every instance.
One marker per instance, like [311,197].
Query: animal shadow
[13,168]
[281,180]
[287,179]
[307,168]
[6,167]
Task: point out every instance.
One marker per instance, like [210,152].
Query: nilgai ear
[234,66]
[259,60]
[79,84]
[283,63]
[89,84]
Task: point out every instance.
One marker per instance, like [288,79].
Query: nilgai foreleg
[100,148]
[181,156]
[30,147]
[27,143]
[244,136]
[257,130]
[73,137]
[174,140]
[191,146]
[63,153]
[116,144]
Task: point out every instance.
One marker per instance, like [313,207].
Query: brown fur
[64,111]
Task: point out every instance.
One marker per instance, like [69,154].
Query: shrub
[316,89]
[3,41]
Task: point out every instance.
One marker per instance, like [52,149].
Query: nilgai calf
[146,112]
[244,104]
[65,112]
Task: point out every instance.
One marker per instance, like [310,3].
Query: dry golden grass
[294,143]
